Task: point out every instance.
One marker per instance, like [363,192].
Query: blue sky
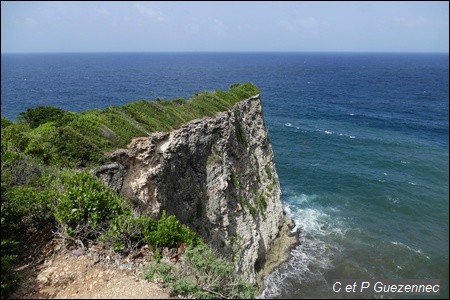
[224,26]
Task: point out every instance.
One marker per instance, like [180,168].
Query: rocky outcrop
[217,175]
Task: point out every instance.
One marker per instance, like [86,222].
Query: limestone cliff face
[217,175]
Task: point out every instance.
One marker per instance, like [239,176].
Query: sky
[172,26]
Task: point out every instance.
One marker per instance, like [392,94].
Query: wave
[310,260]
[393,200]
[340,134]
[290,125]
[418,251]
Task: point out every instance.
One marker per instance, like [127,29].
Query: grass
[79,140]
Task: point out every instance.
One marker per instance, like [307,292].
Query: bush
[128,232]
[74,149]
[41,144]
[19,169]
[169,231]
[27,204]
[40,115]
[184,286]
[202,275]
[87,209]
[62,146]
[86,203]
[9,279]
[159,271]
[14,136]
[6,122]
[215,274]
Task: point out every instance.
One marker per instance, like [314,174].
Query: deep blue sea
[360,141]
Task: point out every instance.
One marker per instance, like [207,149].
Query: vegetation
[240,134]
[244,201]
[268,171]
[203,275]
[214,157]
[44,159]
[41,115]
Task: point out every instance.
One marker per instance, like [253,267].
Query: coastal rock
[217,175]
[112,174]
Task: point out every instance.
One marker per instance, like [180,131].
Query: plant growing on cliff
[203,275]
[240,135]
[261,203]
[268,171]
[214,157]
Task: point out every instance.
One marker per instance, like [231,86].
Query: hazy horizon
[228,52]
[142,27]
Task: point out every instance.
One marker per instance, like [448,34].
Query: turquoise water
[360,143]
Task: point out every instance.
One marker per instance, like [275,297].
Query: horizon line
[230,52]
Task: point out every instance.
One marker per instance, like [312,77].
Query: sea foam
[311,259]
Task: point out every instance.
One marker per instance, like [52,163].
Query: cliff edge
[217,175]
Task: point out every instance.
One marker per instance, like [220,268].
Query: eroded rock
[217,175]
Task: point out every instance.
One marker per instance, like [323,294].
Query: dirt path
[52,272]
[68,276]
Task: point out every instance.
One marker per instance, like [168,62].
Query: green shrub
[87,209]
[14,136]
[202,258]
[169,231]
[40,115]
[235,180]
[245,90]
[19,169]
[41,142]
[6,122]
[184,286]
[204,276]
[86,203]
[74,149]
[214,157]
[159,271]
[128,231]
[9,280]
[26,203]
[242,289]
[62,146]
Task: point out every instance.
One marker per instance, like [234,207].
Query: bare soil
[50,270]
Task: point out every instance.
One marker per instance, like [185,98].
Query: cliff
[217,175]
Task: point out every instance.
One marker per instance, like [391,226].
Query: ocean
[360,143]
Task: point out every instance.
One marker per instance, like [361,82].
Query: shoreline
[280,250]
